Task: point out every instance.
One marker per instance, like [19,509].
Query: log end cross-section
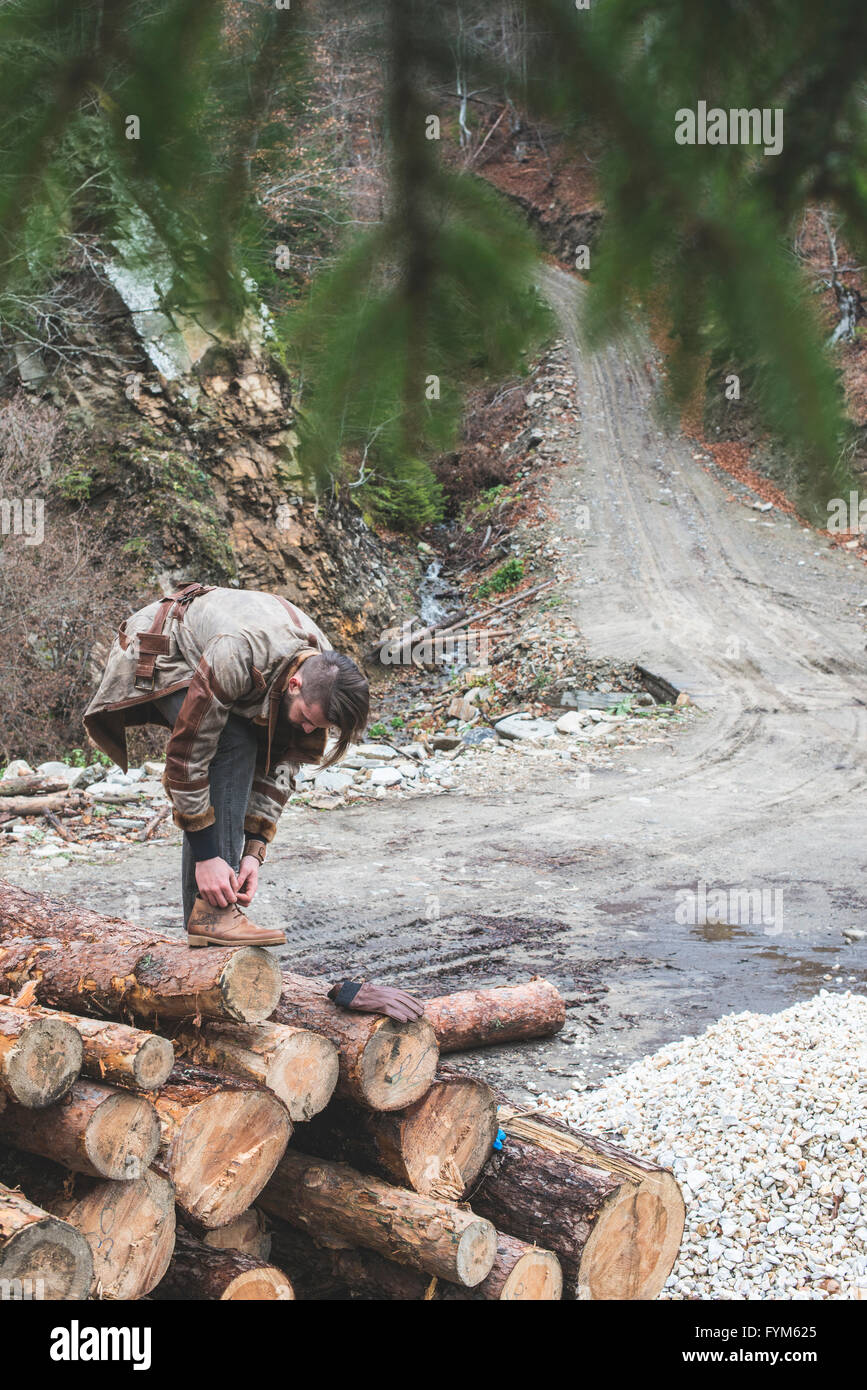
[201,1273]
[523,1274]
[446,1137]
[130,1228]
[615,1220]
[40,1057]
[220,1145]
[634,1244]
[384,1065]
[299,1066]
[94,1129]
[152,1063]
[41,1257]
[398,1065]
[437,1146]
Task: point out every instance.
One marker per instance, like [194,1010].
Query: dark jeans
[231,780]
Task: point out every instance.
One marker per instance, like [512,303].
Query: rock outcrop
[181,444]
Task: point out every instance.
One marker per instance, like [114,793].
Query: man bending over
[249,686]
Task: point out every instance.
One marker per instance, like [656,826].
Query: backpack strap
[297,620]
[153,643]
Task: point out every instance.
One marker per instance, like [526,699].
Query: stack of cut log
[138,1163]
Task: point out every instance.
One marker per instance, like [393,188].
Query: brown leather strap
[298,621]
[153,643]
[291,610]
[344,991]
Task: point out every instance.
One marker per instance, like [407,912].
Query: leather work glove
[366,998]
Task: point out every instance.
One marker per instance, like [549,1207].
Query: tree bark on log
[117,1054]
[221,1140]
[41,1257]
[199,1272]
[437,1146]
[94,1130]
[486,1017]
[247,1234]
[330,1199]
[614,1220]
[88,963]
[384,1065]
[297,1065]
[38,805]
[129,1226]
[31,786]
[40,1057]
[520,1273]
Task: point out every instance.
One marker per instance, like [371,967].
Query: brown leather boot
[227,926]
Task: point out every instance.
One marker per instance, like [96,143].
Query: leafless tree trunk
[849,302]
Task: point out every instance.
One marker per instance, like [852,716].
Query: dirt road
[588,880]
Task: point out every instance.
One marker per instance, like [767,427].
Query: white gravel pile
[763,1119]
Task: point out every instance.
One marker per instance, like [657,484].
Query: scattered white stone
[151,788]
[19,768]
[111,792]
[750,1115]
[524,726]
[415,750]
[56,770]
[333,781]
[571,723]
[385,777]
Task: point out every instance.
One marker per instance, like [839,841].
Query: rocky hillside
[160,452]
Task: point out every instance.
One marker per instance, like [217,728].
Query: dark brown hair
[334,683]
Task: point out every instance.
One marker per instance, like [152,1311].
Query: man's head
[328,689]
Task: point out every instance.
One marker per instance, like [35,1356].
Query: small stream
[436,595]
[437,598]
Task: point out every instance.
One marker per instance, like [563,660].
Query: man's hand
[217,882]
[382,999]
[248,879]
